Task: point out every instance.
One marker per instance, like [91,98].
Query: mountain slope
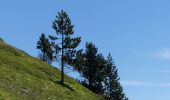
[23,77]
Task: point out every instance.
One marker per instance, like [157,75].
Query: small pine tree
[46,52]
[113,88]
[64,43]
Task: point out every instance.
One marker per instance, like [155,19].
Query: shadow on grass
[64,85]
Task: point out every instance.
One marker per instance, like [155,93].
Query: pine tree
[89,69]
[44,45]
[90,65]
[65,44]
[113,88]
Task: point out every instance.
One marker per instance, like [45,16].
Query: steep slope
[23,77]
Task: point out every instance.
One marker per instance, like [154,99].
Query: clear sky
[135,32]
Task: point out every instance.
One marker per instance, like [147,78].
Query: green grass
[23,77]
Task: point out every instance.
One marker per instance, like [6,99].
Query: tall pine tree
[64,42]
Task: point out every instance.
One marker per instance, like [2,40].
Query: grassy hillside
[23,77]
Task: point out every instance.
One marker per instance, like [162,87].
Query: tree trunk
[90,81]
[43,56]
[62,63]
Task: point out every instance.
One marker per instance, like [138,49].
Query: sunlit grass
[23,77]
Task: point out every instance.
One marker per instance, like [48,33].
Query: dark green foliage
[113,88]
[91,65]
[44,45]
[100,74]
[63,42]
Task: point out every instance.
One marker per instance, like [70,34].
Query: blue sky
[135,32]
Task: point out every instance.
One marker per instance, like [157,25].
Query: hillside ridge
[23,77]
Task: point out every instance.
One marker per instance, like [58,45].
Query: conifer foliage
[88,66]
[64,42]
[46,52]
[99,73]
[113,88]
